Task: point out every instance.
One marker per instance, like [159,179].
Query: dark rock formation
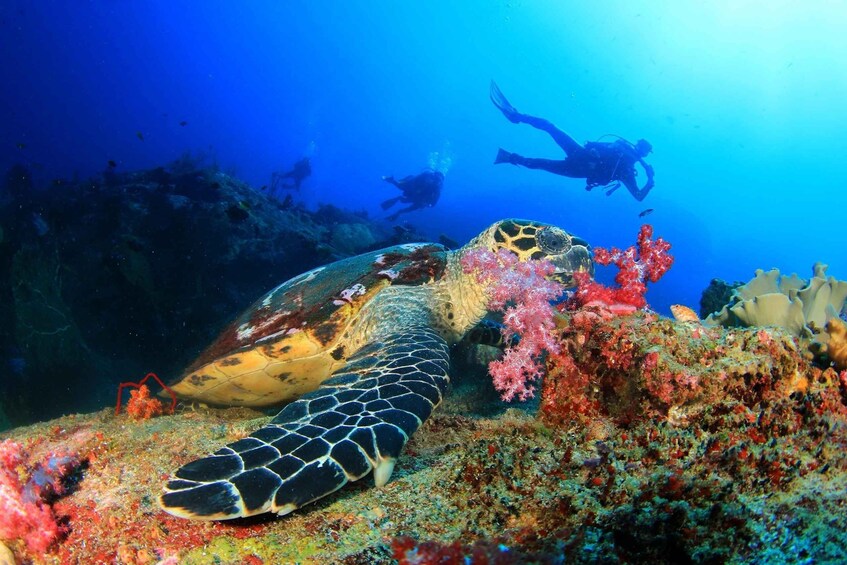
[105,280]
[716,296]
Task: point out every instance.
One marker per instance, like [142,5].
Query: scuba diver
[421,191]
[606,164]
[292,179]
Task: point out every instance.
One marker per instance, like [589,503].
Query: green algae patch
[264,549]
[223,550]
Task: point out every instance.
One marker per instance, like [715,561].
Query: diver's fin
[503,156]
[503,105]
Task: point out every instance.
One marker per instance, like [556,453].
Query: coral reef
[407,551]
[647,260]
[694,444]
[653,440]
[141,406]
[522,290]
[831,344]
[25,510]
[717,295]
[772,299]
[629,368]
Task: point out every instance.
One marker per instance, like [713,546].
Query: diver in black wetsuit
[605,164]
[292,179]
[421,191]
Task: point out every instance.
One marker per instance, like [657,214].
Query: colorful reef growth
[646,261]
[654,441]
[696,408]
[707,407]
[523,291]
[831,343]
[773,299]
[142,406]
[808,309]
[607,315]
[26,492]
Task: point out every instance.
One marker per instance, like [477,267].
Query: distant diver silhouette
[291,180]
[606,164]
[421,191]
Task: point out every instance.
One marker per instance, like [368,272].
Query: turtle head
[536,240]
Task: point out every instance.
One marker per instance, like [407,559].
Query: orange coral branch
[138,385]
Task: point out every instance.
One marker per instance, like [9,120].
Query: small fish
[21,145]
[684,313]
[112,164]
[645,212]
[263,187]
[139,135]
[183,123]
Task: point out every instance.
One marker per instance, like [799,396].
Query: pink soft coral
[646,261]
[24,513]
[523,291]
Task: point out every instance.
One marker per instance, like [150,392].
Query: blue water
[743,103]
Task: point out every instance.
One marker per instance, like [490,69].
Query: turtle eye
[553,241]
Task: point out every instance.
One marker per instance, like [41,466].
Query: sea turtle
[361,346]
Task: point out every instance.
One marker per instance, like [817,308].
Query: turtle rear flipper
[357,421]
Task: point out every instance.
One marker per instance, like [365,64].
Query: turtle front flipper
[357,421]
[490,333]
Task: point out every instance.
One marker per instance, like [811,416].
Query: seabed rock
[745,463]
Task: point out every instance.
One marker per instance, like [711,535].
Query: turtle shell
[295,336]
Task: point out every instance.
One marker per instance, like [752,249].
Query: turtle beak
[563,277]
[575,261]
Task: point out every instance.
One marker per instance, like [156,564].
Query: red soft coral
[648,260]
[142,406]
[523,291]
[24,512]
